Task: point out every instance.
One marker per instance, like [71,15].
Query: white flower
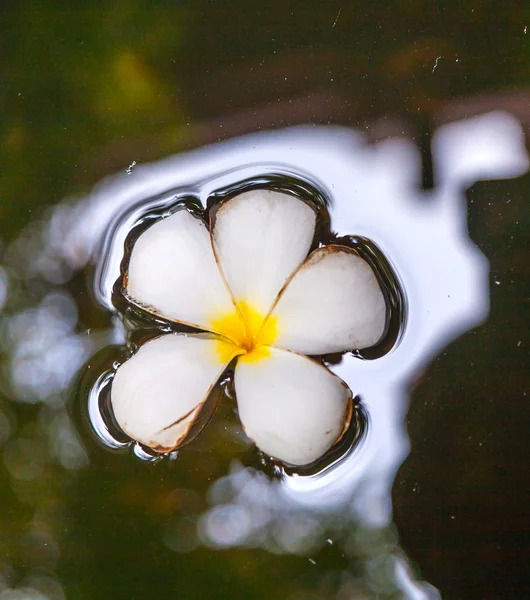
[251,287]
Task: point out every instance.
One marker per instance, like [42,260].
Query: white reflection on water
[374,191]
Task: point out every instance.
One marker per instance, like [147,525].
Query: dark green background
[85,88]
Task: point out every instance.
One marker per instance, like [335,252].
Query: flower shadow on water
[373,194]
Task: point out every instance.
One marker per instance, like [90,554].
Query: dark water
[420,148]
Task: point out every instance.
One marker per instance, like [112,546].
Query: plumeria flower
[262,303]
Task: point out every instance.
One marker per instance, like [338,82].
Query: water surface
[429,499]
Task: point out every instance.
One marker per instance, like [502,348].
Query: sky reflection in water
[374,192]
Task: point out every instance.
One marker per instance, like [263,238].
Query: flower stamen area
[249,332]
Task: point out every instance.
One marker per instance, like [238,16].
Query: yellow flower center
[249,332]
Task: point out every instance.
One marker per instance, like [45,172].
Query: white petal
[158,393]
[333,303]
[260,238]
[173,272]
[292,407]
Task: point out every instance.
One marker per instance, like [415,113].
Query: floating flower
[261,302]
